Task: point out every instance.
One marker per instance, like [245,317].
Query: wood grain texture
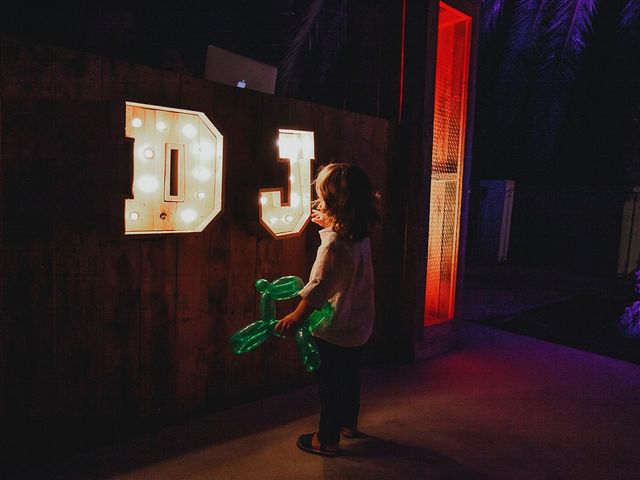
[106,333]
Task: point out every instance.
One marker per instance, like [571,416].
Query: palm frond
[490,14]
[315,42]
[334,37]
[566,37]
[299,44]
[526,30]
[629,18]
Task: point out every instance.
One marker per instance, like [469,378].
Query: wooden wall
[102,335]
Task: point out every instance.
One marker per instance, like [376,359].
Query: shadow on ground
[370,458]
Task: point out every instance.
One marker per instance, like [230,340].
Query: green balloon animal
[256,333]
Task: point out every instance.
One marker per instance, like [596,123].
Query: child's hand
[287,323]
[321,219]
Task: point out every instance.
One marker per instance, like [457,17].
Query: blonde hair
[345,195]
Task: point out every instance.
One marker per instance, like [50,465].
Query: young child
[343,275]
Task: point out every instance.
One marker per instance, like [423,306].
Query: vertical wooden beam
[413,171]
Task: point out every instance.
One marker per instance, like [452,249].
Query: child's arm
[295,318]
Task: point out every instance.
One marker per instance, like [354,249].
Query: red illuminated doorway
[449,126]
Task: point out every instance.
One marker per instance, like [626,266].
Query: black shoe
[304,444]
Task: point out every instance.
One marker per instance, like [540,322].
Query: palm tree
[540,59]
[315,43]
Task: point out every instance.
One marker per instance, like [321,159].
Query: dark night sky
[592,136]
[149,32]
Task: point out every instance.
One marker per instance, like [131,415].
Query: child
[343,275]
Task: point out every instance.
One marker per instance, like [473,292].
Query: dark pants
[339,389]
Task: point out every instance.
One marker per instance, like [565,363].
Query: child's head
[344,194]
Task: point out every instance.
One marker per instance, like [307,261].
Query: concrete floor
[500,406]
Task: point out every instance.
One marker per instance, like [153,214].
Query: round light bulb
[288,219]
[263,200]
[148,153]
[188,215]
[136,122]
[206,150]
[273,220]
[189,130]
[148,183]
[134,216]
[161,126]
[202,173]
[200,195]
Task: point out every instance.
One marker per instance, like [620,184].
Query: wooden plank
[27,69]
[196,94]
[218,349]
[158,280]
[3,314]
[324,145]
[28,330]
[387,239]
[195,323]
[192,321]
[344,136]
[77,327]
[243,373]
[362,136]
[96,299]
[119,329]
[156,87]
[78,76]
[121,80]
[300,115]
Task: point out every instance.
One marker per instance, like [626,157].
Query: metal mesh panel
[447,163]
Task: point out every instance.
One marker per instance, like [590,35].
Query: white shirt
[342,275]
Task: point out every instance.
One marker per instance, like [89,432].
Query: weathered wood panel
[242,373]
[104,332]
[156,383]
[77,76]
[26,69]
[192,321]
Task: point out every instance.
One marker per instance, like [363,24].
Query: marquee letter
[289,219]
[177,170]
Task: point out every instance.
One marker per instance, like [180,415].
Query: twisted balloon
[258,332]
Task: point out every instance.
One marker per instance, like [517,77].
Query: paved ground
[499,291]
[502,405]
[574,310]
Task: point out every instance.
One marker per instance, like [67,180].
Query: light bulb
[188,215]
[288,219]
[292,178]
[189,130]
[134,216]
[161,126]
[136,122]
[201,173]
[206,150]
[288,146]
[200,195]
[148,183]
[273,220]
[263,200]
[148,153]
